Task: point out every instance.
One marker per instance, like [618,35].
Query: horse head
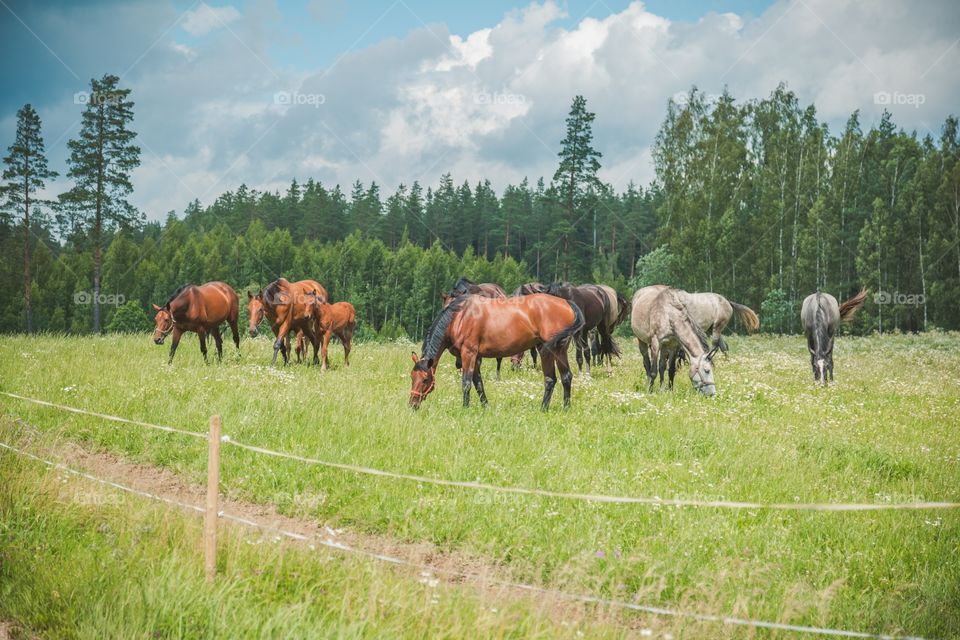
[422,379]
[163,323]
[701,372]
[257,310]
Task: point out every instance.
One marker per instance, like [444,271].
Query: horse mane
[176,294]
[270,293]
[675,301]
[438,329]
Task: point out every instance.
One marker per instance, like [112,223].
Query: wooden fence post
[213,500]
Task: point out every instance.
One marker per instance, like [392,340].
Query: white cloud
[205,18]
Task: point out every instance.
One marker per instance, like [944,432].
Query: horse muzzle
[708,390]
[158,339]
[253,333]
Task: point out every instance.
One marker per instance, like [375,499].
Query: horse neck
[687,335]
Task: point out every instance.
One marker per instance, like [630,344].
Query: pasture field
[886,431]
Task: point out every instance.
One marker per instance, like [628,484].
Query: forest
[757,200]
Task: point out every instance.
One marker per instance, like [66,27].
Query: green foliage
[129,318]
[656,267]
[777,314]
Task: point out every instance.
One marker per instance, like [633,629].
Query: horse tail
[623,308]
[608,347]
[849,308]
[570,330]
[747,316]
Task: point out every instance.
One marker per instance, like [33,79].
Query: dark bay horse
[595,306]
[524,290]
[660,321]
[617,312]
[475,327]
[287,307]
[337,319]
[201,309]
[463,286]
[820,316]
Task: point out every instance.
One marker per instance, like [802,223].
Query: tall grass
[886,431]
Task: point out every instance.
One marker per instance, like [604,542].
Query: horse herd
[480,321]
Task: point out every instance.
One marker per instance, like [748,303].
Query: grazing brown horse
[595,306]
[820,316]
[338,319]
[524,290]
[660,321]
[475,327]
[286,306]
[201,309]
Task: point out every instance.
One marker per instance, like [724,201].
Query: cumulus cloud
[491,103]
[205,18]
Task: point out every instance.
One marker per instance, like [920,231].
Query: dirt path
[428,561]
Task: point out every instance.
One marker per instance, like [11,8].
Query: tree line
[756,200]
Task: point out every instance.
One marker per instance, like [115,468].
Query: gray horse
[713,313]
[660,321]
[820,316]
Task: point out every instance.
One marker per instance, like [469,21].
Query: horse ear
[414,357]
[156,308]
[249,295]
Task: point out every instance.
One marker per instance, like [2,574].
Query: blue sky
[261,92]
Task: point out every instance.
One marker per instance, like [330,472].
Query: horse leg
[203,343]
[469,364]
[645,352]
[174,342]
[673,369]
[218,340]
[324,345]
[533,356]
[499,362]
[281,343]
[478,382]
[315,341]
[654,360]
[345,339]
[566,376]
[547,359]
[235,331]
[812,348]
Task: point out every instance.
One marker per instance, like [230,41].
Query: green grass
[886,431]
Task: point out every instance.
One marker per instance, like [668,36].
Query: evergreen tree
[100,162]
[25,174]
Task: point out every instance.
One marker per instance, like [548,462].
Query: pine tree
[100,162]
[26,173]
[576,176]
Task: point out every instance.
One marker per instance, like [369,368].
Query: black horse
[595,305]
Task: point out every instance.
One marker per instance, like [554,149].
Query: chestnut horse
[286,306]
[475,327]
[463,286]
[337,319]
[200,309]
[595,306]
[524,290]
